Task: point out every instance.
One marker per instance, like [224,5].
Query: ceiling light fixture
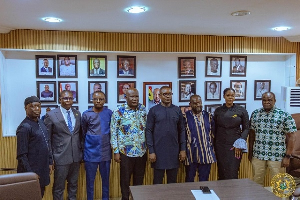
[241,13]
[136,9]
[51,19]
[281,28]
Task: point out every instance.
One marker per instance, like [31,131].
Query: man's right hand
[117,157]
[152,157]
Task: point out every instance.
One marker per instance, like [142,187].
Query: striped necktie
[69,121]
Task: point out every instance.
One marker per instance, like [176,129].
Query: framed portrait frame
[44,108]
[122,87]
[213,90]
[126,66]
[151,91]
[67,66]
[187,67]
[46,91]
[186,90]
[238,65]
[260,87]
[241,104]
[97,86]
[185,108]
[45,66]
[71,86]
[240,87]
[101,66]
[211,108]
[213,66]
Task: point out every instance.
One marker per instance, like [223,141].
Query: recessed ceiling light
[241,13]
[136,9]
[281,28]
[51,19]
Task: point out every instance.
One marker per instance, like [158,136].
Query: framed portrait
[186,90]
[185,108]
[260,87]
[240,87]
[126,66]
[96,86]
[67,66]
[46,91]
[122,87]
[45,109]
[187,67]
[151,93]
[97,66]
[238,65]
[213,90]
[45,66]
[211,108]
[242,104]
[213,66]
[71,86]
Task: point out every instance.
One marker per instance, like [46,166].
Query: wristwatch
[288,156]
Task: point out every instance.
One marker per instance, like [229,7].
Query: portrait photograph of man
[126,66]
[238,65]
[97,87]
[239,88]
[45,66]
[213,66]
[261,86]
[213,90]
[187,67]
[67,66]
[46,91]
[186,90]
[69,86]
[123,86]
[97,66]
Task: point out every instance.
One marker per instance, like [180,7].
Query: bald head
[268,100]
[132,97]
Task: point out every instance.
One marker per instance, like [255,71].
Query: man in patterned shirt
[199,126]
[269,128]
[128,140]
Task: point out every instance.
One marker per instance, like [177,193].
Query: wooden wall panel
[134,42]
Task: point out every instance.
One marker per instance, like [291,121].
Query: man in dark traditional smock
[33,152]
[199,125]
[165,136]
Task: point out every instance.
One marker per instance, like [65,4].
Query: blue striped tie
[69,121]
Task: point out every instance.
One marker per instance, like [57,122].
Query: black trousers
[159,175]
[129,166]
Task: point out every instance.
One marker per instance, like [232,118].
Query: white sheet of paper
[198,194]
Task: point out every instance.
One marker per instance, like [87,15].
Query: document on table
[198,194]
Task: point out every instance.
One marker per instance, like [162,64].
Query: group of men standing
[170,136]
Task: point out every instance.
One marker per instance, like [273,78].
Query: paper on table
[198,194]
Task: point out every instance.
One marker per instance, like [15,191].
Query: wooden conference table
[225,189]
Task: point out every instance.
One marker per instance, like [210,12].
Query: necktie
[69,121]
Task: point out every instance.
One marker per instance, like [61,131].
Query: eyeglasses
[67,98]
[167,94]
[99,99]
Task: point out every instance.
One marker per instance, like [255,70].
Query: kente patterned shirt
[270,133]
[200,135]
[128,130]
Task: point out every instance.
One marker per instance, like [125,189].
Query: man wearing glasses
[63,125]
[97,148]
[165,136]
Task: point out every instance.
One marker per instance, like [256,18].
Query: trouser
[129,166]
[203,172]
[91,170]
[159,175]
[260,166]
[61,174]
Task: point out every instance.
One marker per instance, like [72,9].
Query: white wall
[20,79]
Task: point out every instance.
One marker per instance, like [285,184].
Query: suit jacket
[66,146]
[43,69]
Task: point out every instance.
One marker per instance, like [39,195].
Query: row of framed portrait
[46,90]
[126,66]
[97,66]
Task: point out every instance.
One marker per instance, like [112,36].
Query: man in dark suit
[97,71]
[63,124]
[46,67]
[188,69]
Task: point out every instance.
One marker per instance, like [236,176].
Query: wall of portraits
[199,73]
